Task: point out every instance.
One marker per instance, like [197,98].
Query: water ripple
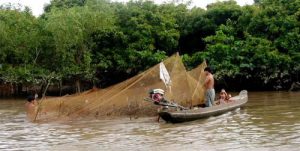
[268,122]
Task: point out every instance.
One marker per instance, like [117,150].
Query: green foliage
[200,24]
[63,4]
[252,57]
[20,46]
[220,12]
[105,42]
[148,27]
[71,30]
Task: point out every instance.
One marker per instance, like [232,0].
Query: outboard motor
[157,95]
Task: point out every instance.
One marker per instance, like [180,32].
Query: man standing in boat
[209,86]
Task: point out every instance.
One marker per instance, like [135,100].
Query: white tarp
[164,74]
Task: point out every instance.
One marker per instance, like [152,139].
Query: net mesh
[127,98]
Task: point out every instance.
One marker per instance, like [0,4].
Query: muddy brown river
[269,121]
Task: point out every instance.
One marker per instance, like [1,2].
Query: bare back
[30,109]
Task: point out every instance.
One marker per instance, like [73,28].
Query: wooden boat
[194,114]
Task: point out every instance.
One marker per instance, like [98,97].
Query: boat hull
[190,115]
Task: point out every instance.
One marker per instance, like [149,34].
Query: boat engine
[157,96]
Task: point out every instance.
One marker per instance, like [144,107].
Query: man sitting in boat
[223,97]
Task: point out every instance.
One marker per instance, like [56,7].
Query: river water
[269,121]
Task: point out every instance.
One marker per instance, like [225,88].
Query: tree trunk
[42,89]
[60,87]
[18,89]
[77,83]
[46,88]
[12,89]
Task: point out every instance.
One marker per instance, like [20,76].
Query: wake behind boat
[184,115]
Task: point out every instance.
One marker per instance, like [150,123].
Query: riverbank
[10,91]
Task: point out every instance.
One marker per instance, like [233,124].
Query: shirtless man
[209,86]
[30,107]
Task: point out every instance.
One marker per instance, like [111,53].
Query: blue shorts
[210,97]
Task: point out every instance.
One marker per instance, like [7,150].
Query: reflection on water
[269,121]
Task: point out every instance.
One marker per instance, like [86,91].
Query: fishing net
[127,97]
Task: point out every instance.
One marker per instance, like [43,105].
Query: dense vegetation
[98,42]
